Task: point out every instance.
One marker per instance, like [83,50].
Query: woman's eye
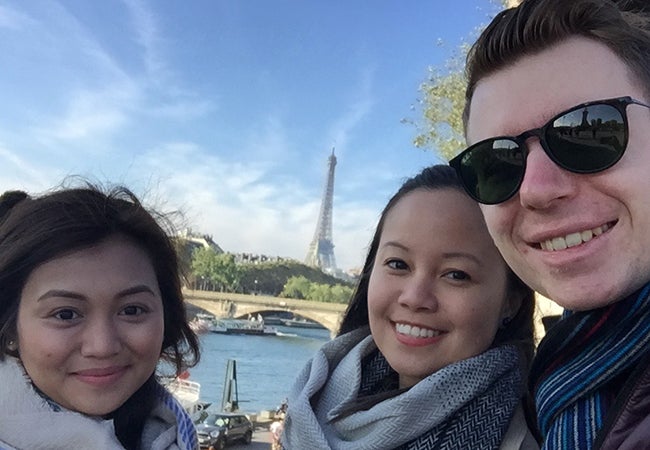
[66,314]
[457,275]
[133,310]
[396,264]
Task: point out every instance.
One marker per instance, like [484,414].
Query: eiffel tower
[321,249]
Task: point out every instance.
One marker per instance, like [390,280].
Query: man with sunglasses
[558,122]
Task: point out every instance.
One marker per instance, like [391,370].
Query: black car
[219,429]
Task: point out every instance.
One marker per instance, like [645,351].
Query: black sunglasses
[587,138]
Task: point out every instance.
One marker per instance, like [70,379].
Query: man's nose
[544,181]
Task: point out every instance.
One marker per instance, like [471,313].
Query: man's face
[553,203]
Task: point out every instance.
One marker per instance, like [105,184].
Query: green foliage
[342,293]
[443,99]
[320,293]
[296,287]
[442,106]
[301,288]
[209,270]
[219,269]
[270,278]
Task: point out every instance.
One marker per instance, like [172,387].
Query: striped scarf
[579,364]
[465,405]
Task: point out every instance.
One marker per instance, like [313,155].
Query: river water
[266,365]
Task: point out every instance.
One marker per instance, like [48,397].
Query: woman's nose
[101,339]
[418,293]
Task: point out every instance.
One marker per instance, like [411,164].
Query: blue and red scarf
[579,366]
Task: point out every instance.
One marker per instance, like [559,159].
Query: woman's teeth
[573,239]
[415,331]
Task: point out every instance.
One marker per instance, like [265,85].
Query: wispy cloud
[146,31]
[180,109]
[357,110]
[159,80]
[13,19]
[91,114]
[22,173]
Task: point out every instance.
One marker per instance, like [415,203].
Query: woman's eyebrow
[136,290]
[395,244]
[61,293]
[470,256]
[77,296]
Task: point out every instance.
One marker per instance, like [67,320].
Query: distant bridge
[223,304]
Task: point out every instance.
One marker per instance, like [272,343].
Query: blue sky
[226,110]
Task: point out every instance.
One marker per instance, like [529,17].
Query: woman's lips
[100,376]
[416,335]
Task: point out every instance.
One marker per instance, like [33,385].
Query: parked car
[219,429]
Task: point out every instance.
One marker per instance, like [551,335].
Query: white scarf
[28,422]
[330,382]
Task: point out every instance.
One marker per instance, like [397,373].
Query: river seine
[266,365]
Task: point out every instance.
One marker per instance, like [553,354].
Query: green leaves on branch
[443,98]
[442,106]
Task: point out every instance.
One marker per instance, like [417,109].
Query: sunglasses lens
[492,170]
[588,139]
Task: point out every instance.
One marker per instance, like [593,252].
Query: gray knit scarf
[466,405]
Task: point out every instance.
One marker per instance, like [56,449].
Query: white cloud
[245,210]
[13,19]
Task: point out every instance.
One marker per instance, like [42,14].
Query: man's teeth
[415,331]
[573,239]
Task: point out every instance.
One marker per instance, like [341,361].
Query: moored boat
[242,326]
[301,323]
[187,393]
[201,323]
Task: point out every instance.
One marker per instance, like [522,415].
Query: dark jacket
[627,424]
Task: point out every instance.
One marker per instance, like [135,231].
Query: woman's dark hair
[518,331]
[35,230]
[535,25]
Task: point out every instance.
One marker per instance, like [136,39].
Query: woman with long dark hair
[434,349]
[90,303]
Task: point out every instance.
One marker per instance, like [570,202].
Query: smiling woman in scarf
[90,302]
[435,346]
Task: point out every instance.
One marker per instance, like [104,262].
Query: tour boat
[242,326]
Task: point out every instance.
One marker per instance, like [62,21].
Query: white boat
[188,394]
[201,325]
[242,326]
[301,323]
